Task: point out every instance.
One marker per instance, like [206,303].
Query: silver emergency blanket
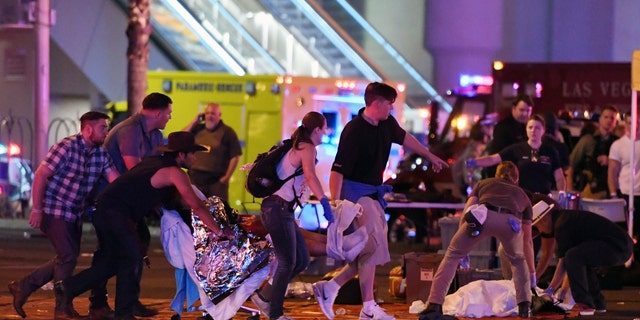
[222,265]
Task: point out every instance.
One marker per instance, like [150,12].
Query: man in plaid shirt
[60,187]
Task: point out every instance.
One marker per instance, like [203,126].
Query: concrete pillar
[463,37]
[43,23]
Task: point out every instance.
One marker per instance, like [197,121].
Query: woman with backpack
[276,212]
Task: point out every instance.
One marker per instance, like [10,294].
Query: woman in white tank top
[276,211]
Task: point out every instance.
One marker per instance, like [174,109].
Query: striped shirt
[76,169]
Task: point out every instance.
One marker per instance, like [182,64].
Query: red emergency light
[13,150]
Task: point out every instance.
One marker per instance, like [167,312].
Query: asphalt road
[23,249]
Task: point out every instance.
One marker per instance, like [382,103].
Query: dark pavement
[22,249]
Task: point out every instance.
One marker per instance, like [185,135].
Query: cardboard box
[420,269]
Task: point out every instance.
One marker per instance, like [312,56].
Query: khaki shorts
[376,251]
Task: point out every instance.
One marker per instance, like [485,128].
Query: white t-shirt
[621,152]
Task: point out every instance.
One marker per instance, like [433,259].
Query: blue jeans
[289,245]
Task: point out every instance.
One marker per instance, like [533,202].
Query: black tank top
[133,193]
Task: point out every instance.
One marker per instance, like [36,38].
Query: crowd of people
[119,177]
[598,167]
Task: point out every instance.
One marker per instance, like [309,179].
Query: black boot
[431,308]
[102,313]
[62,298]
[20,296]
[524,309]
[64,303]
[140,310]
[99,297]
[99,308]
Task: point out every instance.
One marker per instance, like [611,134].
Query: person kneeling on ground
[582,241]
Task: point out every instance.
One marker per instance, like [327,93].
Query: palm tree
[138,32]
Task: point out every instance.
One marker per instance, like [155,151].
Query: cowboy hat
[182,141]
[540,209]
[543,205]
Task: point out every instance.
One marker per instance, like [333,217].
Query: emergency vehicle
[16,178]
[575,92]
[265,109]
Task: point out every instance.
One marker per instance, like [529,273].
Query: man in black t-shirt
[356,175]
[511,129]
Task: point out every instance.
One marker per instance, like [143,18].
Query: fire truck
[265,109]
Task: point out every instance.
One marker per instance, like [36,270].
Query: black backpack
[263,180]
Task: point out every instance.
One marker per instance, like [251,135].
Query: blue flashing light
[475,80]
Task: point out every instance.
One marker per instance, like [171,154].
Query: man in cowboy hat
[582,241]
[120,207]
[127,143]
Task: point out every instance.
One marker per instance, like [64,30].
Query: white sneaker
[262,305]
[375,313]
[325,298]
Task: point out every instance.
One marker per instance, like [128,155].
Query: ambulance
[264,110]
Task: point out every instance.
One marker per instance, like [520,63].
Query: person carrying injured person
[497,207]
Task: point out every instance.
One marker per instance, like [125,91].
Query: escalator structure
[326,43]
[380,53]
[200,38]
[319,38]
